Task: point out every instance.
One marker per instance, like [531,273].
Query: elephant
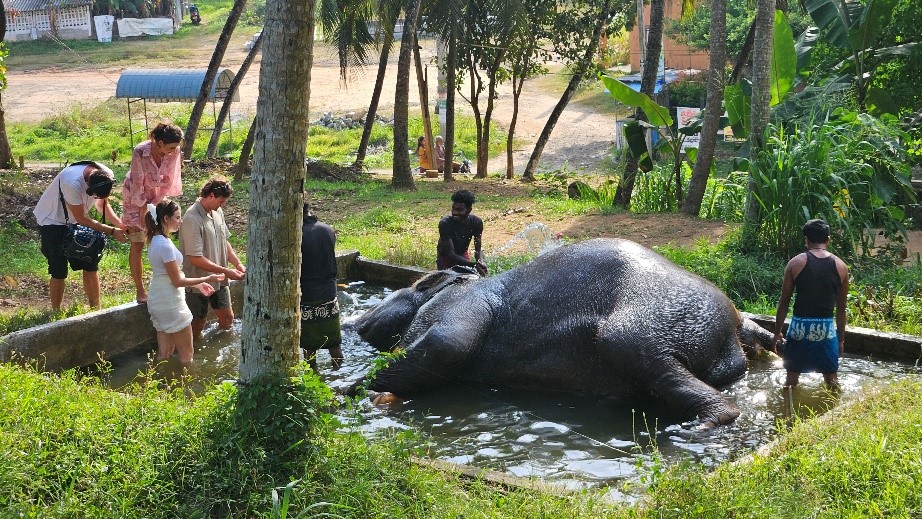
[605,317]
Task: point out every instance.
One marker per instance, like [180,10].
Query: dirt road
[581,138]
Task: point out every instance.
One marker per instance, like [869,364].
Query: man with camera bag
[76,190]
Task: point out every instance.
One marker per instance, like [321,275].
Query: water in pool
[572,440]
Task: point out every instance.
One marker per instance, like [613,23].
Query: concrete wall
[84,339]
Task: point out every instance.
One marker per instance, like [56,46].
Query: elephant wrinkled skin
[603,317]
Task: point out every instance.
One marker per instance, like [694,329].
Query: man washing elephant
[456,232]
[815,340]
[601,317]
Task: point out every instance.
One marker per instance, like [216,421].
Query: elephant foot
[718,415]
[384,398]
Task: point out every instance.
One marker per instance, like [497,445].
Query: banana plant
[738,96]
[854,26]
[658,118]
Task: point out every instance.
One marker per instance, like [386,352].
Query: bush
[852,172]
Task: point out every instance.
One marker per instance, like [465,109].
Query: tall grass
[860,461]
[850,172]
[70,448]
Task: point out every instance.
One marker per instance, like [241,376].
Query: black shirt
[318,261]
[817,287]
[460,232]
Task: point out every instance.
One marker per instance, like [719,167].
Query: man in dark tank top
[456,232]
[816,336]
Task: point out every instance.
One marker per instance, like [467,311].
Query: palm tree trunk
[518,83]
[271,317]
[6,154]
[243,163]
[581,69]
[403,176]
[761,97]
[647,85]
[231,91]
[450,84]
[195,118]
[713,110]
[375,95]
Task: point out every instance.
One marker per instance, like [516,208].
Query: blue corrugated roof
[41,5]
[171,84]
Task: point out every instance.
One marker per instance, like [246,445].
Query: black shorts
[52,245]
[198,304]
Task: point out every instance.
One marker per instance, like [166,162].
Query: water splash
[535,237]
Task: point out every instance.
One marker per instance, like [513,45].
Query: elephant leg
[436,359]
[672,383]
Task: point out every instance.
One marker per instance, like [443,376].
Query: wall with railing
[69,23]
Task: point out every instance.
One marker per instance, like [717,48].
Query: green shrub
[655,191]
[851,172]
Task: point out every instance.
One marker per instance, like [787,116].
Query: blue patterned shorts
[812,345]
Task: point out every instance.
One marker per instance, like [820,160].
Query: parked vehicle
[194,15]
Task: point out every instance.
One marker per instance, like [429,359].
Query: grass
[859,461]
[70,448]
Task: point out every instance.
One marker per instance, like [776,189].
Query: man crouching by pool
[456,232]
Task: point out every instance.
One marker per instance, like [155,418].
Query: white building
[33,19]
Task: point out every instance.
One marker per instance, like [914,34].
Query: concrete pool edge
[76,341]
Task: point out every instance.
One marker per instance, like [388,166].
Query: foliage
[850,171]
[693,29]
[688,91]
[655,190]
[862,461]
[856,27]
[614,50]
[745,277]
[725,197]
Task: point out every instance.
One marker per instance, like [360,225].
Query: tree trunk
[647,85]
[195,118]
[745,53]
[271,317]
[372,112]
[761,97]
[231,91]
[713,110]
[578,74]
[243,163]
[403,176]
[423,84]
[518,83]
[6,154]
[483,146]
[451,82]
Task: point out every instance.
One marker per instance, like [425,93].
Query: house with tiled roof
[63,19]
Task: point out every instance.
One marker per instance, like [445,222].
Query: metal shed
[171,85]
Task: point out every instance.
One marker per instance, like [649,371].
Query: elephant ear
[431,284]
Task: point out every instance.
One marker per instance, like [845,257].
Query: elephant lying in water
[604,317]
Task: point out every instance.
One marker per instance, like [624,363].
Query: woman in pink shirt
[154,175]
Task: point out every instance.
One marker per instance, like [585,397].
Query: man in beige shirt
[203,240]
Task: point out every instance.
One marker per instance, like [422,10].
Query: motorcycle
[464,163]
[194,15]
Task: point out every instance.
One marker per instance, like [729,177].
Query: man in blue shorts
[816,335]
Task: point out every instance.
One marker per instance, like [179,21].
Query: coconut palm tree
[647,85]
[717,51]
[228,98]
[216,57]
[6,154]
[271,323]
[761,96]
[402,177]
